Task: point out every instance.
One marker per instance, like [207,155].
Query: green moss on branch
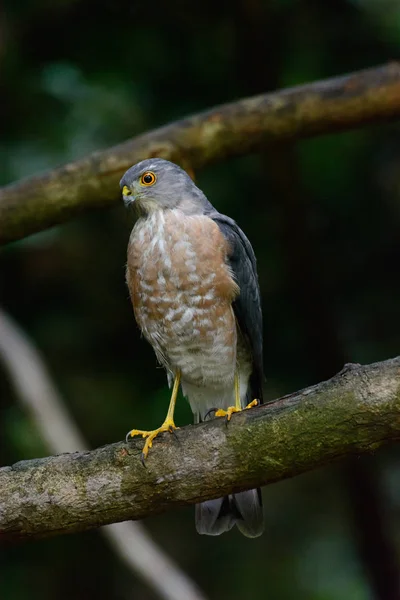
[234,129]
[357,411]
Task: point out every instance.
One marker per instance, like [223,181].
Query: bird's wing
[247,305]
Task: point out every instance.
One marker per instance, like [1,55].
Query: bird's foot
[233,409]
[168,425]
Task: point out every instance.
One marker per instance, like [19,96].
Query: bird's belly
[182,294]
[198,340]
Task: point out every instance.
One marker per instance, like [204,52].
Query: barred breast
[182,292]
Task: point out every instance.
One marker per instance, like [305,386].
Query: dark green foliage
[323,216]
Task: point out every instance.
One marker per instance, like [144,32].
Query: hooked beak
[127,196]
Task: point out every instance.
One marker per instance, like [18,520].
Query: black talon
[172,430]
[127,437]
[143,459]
[214,410]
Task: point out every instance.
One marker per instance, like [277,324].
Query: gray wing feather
[245,508]
[247,306]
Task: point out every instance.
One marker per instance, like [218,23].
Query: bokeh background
[323,216]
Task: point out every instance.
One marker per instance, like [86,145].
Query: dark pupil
[147,178]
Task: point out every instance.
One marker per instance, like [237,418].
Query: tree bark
[234,129]
[355,412]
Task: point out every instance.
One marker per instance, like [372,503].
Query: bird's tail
[244,509]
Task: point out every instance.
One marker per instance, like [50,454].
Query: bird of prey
[193,283]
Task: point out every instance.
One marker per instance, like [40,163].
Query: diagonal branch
[356,411]
[234,129]
[38,395]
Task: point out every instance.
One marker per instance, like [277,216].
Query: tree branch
[38,395]
[234,129]
[356,411]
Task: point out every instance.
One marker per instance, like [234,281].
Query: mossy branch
[355,412]
[234,129]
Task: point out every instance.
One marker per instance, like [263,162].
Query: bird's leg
[238,406]
[168,424]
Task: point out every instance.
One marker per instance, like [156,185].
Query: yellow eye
[126,191]
[148,178]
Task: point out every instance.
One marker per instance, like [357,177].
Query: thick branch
[38,395]
[234,129]
[356,411]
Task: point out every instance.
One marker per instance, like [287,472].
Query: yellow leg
[238,407]
[168,424]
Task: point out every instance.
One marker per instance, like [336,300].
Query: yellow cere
[126,191]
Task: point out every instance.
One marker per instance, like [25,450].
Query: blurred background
[323,216]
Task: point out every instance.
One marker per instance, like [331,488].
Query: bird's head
[157,184]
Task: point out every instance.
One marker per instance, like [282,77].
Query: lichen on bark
[355,412]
